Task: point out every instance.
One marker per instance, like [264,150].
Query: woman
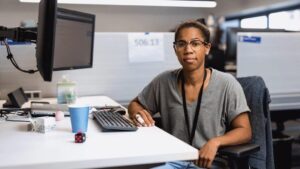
[197,105]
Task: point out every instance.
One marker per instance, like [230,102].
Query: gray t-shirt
[222,100]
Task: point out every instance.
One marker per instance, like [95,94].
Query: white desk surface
[56,149]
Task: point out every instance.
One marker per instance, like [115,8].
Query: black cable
[13,61]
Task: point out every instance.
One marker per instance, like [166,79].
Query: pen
[140,119]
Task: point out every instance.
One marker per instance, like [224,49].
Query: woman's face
[191,49]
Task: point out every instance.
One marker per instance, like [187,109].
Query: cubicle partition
[117,70]
[275,57]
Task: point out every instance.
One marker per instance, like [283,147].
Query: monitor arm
[18,34]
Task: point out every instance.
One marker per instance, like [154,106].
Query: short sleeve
[148,97]
[236,100]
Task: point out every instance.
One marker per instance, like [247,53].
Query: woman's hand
[207,153]
[142,118]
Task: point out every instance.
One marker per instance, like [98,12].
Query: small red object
[80,137]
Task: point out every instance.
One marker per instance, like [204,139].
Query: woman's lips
[189,60]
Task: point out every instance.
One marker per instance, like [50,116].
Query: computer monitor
[231,40]
[45,38]
[65,39]
[74,40]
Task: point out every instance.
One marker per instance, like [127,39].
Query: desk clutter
[109,118]
[42,124]
[40,109]
[15,114]
[99,150]
[39,124]
[80,137]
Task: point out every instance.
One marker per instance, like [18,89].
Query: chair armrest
[238,151]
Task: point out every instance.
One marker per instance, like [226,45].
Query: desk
[56,149]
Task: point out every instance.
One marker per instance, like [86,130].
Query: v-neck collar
[205,91]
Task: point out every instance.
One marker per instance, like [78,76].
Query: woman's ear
[175,50]
[207,49]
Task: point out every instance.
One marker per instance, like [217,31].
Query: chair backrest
[258,100]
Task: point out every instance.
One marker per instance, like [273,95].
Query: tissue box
[44,124]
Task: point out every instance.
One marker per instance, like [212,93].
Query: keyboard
[18,118]
[45,109]
[42,113]
[109,120]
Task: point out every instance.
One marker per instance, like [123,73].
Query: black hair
[194,24]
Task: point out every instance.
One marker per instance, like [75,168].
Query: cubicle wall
[113,73]
[275,57]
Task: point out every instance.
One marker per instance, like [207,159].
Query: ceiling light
[163,3]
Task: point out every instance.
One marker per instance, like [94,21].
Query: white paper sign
[145,47]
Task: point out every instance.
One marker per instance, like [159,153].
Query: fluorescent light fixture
[162,3]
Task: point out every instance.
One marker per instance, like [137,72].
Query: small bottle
[66,91]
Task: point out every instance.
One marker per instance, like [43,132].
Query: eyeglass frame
[188,43]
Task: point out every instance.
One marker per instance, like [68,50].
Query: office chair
[258,153]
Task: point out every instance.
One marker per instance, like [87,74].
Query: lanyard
[192,133]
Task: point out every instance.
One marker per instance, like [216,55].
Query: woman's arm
[240,133]
[136,108]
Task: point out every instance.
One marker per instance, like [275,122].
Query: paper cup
[79,117]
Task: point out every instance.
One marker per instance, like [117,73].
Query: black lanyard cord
[197,112]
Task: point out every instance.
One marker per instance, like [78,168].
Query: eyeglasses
[195,44]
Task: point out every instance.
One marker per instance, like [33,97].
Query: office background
[116,19]
[113,74]
[134,19]
[108,19]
